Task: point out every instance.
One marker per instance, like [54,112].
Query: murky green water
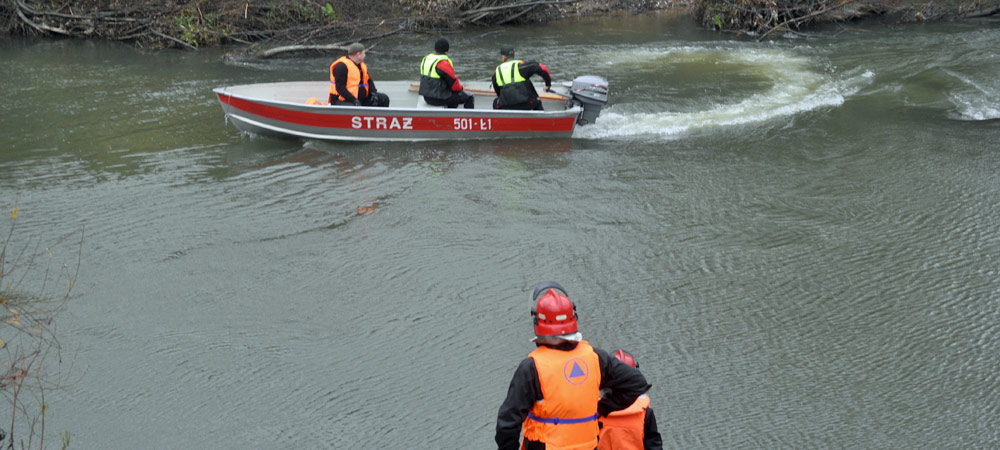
[797,239]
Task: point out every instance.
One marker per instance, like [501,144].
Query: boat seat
[422,104]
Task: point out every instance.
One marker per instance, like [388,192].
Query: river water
[797,239]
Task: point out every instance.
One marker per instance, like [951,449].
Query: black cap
[441,46]
[507,50]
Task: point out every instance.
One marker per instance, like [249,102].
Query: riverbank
[770,18]
[200,23]
[279,26]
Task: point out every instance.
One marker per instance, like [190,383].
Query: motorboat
[297,110]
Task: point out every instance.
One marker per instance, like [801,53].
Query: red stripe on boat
[370,121]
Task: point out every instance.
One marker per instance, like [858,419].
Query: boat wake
[975,100]
[795,87]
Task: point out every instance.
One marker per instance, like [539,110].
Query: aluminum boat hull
[280,110]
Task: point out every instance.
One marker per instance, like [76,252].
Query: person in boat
[438,83]
[512,84]
[632,428]
[555,396]
[350,84]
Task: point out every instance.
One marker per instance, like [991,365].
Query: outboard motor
[591,92]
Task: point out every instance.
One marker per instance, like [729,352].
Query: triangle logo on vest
[576,371]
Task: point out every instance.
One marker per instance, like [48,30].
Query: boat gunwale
[571,110]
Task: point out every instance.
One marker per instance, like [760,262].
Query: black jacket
[439,88]
[651,439]
[624,383]
[517,93]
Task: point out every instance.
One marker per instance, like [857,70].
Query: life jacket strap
[557,421]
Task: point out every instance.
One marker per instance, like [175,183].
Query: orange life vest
[566,417]
[623,430]
[355,77]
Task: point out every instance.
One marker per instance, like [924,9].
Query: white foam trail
[978,101]
[796,88]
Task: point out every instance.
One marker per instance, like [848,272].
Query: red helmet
[626,358]
[554,314]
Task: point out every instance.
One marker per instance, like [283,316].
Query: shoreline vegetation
[37,361]
[269,28]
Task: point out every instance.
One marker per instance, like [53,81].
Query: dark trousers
[457,98]
[529,105]
[377,99]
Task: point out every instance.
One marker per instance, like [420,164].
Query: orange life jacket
[355,77]
[566,417]
[623,430]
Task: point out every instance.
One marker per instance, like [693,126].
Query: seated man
[512,84]
[438,83]
[350,84]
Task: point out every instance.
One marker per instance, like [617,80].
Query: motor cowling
[591,92]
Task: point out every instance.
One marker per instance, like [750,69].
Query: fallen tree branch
[800,19]
[171,38]
[526,10]
[992,10]
[298,48]
[342,46]
[515,6]
[40,27]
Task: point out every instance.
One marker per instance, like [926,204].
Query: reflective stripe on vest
[355,75]
[625,429]
[566,417]
[430,62]
[507,73]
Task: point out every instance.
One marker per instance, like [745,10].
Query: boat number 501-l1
[473,124]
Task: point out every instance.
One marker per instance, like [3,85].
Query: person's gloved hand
[357,102]
[548,88]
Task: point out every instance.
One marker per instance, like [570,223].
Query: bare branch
[516,6]
[34,354]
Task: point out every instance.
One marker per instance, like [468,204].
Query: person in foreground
[511,82]
[632,428]
[555,395]
[438,83]
[349,81]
